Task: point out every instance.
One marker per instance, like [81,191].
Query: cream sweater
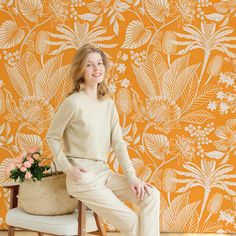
[89,128]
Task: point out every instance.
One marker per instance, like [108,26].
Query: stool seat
[77,223]
[57,225]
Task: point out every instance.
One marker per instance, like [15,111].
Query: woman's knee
[154,192]
[152,196]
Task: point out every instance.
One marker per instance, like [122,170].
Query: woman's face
[94,71]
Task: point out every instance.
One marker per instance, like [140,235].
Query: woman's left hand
[140,188]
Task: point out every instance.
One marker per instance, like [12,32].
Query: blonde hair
[77,69]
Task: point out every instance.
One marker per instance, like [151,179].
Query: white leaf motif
[215,17]
[10,34]
[28,140]
[136,35]
[157,145]
[215,154]
[89,17]
[116,27]
[157,9]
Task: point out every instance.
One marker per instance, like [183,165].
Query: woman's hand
[140,188]
[74,173]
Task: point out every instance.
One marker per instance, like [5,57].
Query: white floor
[4,233]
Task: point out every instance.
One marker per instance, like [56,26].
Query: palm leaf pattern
[208,39]
[208,176]
[74,38]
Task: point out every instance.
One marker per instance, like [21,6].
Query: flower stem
[36,26]
[158,30]
[164,163]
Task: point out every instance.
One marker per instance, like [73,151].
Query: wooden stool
[81,218]
[82,221]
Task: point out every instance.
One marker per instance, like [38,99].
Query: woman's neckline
[92,99]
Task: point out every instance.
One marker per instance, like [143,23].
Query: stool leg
[81,219]
[100,225]
[11,231]
[40,234]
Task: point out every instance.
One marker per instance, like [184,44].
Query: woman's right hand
[74,173]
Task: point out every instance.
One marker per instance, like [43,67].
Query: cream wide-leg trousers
[104,192]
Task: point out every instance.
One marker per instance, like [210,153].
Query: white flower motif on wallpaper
[226,145]
[31,10]
[227,134]
[36,85]
[163,87]
[224,101]
[57,10]
[35,113]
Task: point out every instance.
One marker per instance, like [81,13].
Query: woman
[88,122]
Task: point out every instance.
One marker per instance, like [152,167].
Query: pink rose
[30,159]
[27,164]
[41,164]
[28,175]
[23,169]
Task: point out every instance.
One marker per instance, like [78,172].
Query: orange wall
[173,79]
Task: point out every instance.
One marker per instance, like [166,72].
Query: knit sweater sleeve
[60,121]
[119,146]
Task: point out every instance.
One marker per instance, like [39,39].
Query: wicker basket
[46,197]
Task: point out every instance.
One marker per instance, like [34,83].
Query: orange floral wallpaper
[173,77]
